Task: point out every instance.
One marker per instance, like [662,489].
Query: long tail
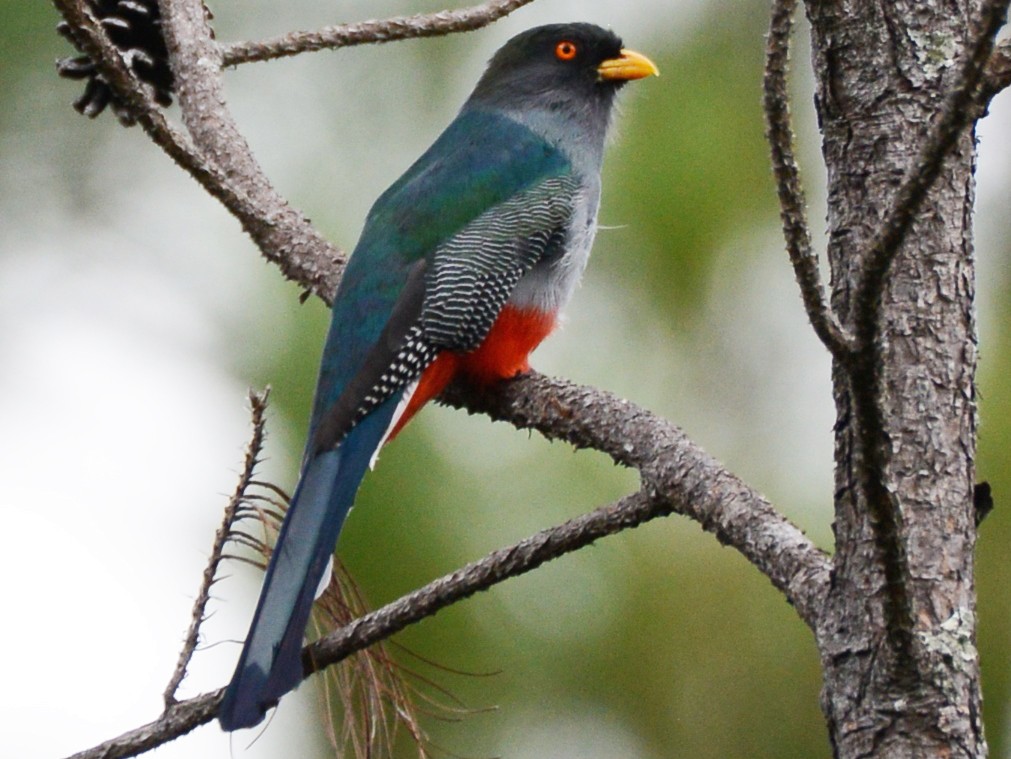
[271,662]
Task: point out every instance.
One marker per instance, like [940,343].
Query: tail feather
[271,664]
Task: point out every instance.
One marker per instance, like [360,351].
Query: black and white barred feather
[474,273]
[410,361]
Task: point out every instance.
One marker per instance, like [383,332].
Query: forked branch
[805,582]
[975,82]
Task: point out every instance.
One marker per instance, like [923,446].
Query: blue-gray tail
[271,663]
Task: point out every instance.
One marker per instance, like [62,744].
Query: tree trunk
[897,639]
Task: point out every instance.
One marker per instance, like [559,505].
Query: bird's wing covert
[473,273]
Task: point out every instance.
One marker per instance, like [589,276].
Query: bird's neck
[570,130]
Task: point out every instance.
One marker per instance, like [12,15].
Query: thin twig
[792,203]
[961,108]
[368,32]
[997,75]
[498,566]
[258,406]
[175,722]
[95,43]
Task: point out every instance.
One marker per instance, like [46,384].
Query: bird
[461,270]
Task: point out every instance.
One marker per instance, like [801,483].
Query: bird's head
[566,68]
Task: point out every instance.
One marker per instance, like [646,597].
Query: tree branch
[678,477]
[280,230]
[382,623]
[675,470]
[284,235]
[779,133]
[95,43]
[174,723]
[369,32]
[744,517]
[209,120]
[498,566]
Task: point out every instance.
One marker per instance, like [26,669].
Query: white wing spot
[405,399]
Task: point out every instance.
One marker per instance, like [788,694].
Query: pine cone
[133,26]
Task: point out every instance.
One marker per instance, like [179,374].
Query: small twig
[368,32]
[997,74]
[779,133]
[94,42]
[960,109]
[175,722]
[498,566]
[382,623]
[258,406]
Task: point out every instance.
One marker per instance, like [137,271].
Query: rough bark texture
[897,638]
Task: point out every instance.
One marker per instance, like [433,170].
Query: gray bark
[897,635]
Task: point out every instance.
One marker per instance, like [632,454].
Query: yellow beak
[629,65]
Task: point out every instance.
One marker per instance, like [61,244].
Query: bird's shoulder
[481,160]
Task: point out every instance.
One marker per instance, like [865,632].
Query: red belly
[504,353]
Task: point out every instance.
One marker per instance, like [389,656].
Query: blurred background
[134,315]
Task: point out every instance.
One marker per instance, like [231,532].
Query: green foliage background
[654,643]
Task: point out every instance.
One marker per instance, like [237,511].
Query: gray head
[561,80]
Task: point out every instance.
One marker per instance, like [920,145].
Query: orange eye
[565,50]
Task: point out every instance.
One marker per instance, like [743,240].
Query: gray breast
[549,285]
